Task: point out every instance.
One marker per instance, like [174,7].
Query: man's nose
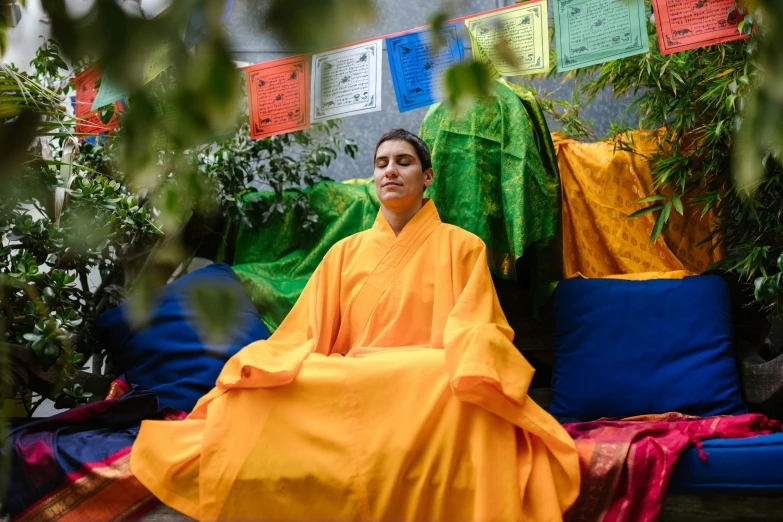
[391,171]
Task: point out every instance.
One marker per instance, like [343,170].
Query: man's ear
[428,175]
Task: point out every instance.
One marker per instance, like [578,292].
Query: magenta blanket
[626,464]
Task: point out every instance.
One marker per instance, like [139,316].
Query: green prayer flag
[590,32]
[108,93]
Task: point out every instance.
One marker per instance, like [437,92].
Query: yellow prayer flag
[512,42]
[156,62]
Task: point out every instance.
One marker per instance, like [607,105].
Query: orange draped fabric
[600,186]
[392,391]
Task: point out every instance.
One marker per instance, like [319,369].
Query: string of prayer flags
[688,24]
[417,71]
[156,63]
[279,101]
[590,32]
[87,120]
[197,28]
[513,42]
[346,81]
[288,95]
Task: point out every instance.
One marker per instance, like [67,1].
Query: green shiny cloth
[490,179]
[276,260]
[496,175]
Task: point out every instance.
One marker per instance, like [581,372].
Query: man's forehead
[397,147]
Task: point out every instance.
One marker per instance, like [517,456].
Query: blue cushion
[752,464]
[625,348]
[169,354]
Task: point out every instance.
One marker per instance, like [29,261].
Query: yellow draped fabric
[392,391]
[600,185]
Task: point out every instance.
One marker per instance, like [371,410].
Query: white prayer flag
[346,81]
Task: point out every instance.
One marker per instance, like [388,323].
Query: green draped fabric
[496,176]
[490,179]
[276,260]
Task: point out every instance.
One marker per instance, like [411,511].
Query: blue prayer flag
[416,71]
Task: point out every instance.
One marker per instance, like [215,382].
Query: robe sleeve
[486,369]
[309,327]
[480,355]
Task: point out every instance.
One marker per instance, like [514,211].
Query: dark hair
[422,151]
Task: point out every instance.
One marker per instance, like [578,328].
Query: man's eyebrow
[401,155]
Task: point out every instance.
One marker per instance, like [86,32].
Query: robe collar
[384,234]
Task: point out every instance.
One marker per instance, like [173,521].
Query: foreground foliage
[78,233]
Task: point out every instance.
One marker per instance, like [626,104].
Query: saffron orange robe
[392,391]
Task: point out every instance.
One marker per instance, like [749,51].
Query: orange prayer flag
[688,24]
[278,96]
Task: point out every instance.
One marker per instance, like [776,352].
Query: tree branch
[84,281]
[24,371]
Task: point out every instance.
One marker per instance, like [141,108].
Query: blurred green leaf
[313,25]
[15,137]
[466,83]
[507,53]
[437,38]
[216,308]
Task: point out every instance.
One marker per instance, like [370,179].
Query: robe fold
[391,391]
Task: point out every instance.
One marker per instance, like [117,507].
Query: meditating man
[392,390]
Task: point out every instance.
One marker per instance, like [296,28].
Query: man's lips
[392,184]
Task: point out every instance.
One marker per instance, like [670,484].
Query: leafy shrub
[699,99]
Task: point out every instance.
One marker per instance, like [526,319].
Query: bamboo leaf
[646,210]
[661,221]
[721,75]
[667,209]
[650,199]
[733,87]
[677,203]
[730,102]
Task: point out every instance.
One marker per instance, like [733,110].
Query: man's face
[399,179]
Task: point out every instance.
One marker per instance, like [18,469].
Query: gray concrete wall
[251,43]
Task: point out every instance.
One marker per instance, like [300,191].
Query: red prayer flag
[688,24]
[279,97]
[89,122]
